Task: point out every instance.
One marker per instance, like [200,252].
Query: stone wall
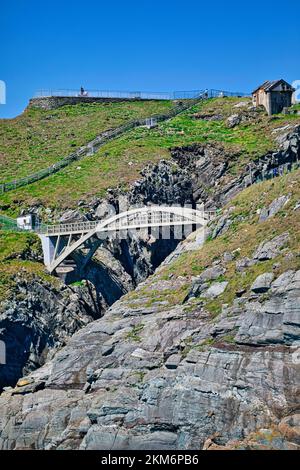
[53,102]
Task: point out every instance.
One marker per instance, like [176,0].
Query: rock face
[38,319]
[269,249]
[139,380]
[53,102]
[199,174]
[262,283]
[149,376]
[273,208]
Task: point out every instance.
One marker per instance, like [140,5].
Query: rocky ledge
[156,374]
[167,380]
[162,375]
[37,320]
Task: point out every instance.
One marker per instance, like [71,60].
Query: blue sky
[145,45]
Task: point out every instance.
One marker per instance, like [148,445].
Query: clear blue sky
[145,45]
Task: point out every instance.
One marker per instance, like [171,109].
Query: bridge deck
[134,219]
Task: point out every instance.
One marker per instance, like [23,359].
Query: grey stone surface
[173,361]
[215,289]
[54,102]
[151,394]
[71,216]
[270,249]
[273,208]
[262,283]
[233,120]
[37,320]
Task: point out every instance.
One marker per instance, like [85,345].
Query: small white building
[26,222]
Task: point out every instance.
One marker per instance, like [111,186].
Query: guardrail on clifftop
[136,95]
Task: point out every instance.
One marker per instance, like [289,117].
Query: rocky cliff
[38,318]
[206,173]
[203,354]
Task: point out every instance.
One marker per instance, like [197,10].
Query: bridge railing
[127,220]
[73,227]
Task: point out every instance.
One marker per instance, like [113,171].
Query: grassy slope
[38,138]
[120,161]
[242,239]
[14,248]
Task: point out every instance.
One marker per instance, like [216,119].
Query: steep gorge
[187,360]
[195,355]
[197,173]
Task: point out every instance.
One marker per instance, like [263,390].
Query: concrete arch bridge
[60,242]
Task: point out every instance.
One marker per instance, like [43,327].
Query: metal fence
[143,95]
[7,223]
[133,95]
[94,145]
[271,173]
[208,93]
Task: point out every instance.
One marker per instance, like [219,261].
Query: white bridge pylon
[60,241]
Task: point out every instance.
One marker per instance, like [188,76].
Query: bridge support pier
[53,246]
[48,246]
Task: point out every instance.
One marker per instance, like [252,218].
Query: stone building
[273,95]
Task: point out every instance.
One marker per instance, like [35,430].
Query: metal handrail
[156,95]
[105,136]
[95,144]
[131,217]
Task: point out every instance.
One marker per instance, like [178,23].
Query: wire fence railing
[270,173]
[135,95]
[8,223]
[95,144]
[209,93]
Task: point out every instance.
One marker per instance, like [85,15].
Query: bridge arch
[60,241]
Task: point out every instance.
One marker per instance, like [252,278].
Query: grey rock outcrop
[270,249]
[38,319]
[233,120]
[262,283]
[273,208]
[150,386]
[215,289]
[277,319]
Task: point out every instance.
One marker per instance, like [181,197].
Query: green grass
[296,107]
[133,335]
[14,245]
[119,162]
[242,239]
[77,284]
[16,249]
[38,138]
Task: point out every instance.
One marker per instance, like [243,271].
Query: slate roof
[268,85]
